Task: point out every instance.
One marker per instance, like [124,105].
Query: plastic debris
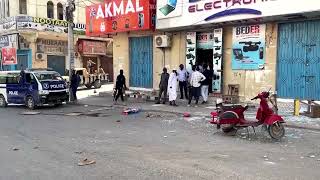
[312,156]
[86,105]
[128,111]
[265,156]
[15,149]
[165,136]
[78,152]
[118,121]
[86,162]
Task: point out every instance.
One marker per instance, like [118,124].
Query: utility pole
[69,15]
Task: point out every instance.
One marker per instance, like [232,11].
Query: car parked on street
[32,88]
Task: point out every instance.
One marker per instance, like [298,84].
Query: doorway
[57,63]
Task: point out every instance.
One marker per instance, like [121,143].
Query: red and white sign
[92,47]
[120,16]
[9,56]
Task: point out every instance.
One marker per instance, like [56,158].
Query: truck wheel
[276,131]
[88,86]
[97,84]
[3,102]
[30,103]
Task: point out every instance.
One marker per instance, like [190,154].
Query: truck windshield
[49,76]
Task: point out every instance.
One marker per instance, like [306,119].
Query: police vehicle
[32,88]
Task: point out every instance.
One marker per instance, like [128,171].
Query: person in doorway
[205,84]
[182,77]
[75,81]
[120,86]
[90,66]
[163,86]
[172,88]
[195,81]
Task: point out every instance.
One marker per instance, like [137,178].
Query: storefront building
[36,42]
[252,45]
[131,25]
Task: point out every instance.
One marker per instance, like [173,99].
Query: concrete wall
[251,82]
[162,57]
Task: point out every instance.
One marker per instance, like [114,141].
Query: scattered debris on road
[186,114]
[85,162]
[36,147]
[118,121]
[15,149]
[128,111]
[30,113]
[86,105]
[78,152]
[153,115]
[165,136]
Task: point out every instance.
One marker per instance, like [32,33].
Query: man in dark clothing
[182,78]
[120,86]
[163,85]
[75,81]
[205,84]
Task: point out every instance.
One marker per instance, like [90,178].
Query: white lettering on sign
[56,86]
[112,9]
[13,93]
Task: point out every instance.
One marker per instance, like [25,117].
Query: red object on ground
[186,114]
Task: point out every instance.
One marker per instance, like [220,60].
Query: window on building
[23,6]
[50,9]
[60,11]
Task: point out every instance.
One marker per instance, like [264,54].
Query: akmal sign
[179,13]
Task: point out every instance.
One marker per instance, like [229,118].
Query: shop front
[250,45]
[131,24]
[95,56]
[53,54]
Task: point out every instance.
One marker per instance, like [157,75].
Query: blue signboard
[248,48]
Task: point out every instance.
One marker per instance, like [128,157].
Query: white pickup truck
[89,80]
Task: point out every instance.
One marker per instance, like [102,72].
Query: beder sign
[178,13]
[120,16]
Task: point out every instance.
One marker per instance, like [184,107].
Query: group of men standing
[192,84]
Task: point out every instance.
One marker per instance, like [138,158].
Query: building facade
[38,31]
[250,44]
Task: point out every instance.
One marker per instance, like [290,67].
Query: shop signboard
[181,13]
[92,47]
[9,56]
[217,60]
[47,24]
[7,24]
[120,16]
[191,50]
[248,47]
[55,47]
[9,41]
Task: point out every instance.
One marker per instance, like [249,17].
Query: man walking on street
[172,88]
[163,86]
[205,84]
[182,77]
[196,79]
[120,86]
[75,81]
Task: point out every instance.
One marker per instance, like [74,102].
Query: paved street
[161,146]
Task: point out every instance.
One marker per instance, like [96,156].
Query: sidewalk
[106,100]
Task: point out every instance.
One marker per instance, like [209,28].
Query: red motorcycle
[231,118]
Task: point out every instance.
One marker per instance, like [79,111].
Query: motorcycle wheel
[229,129]
[276,131]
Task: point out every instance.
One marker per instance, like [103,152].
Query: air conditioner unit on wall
[40,56]
[163,41]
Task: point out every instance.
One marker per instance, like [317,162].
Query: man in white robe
[172,87]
